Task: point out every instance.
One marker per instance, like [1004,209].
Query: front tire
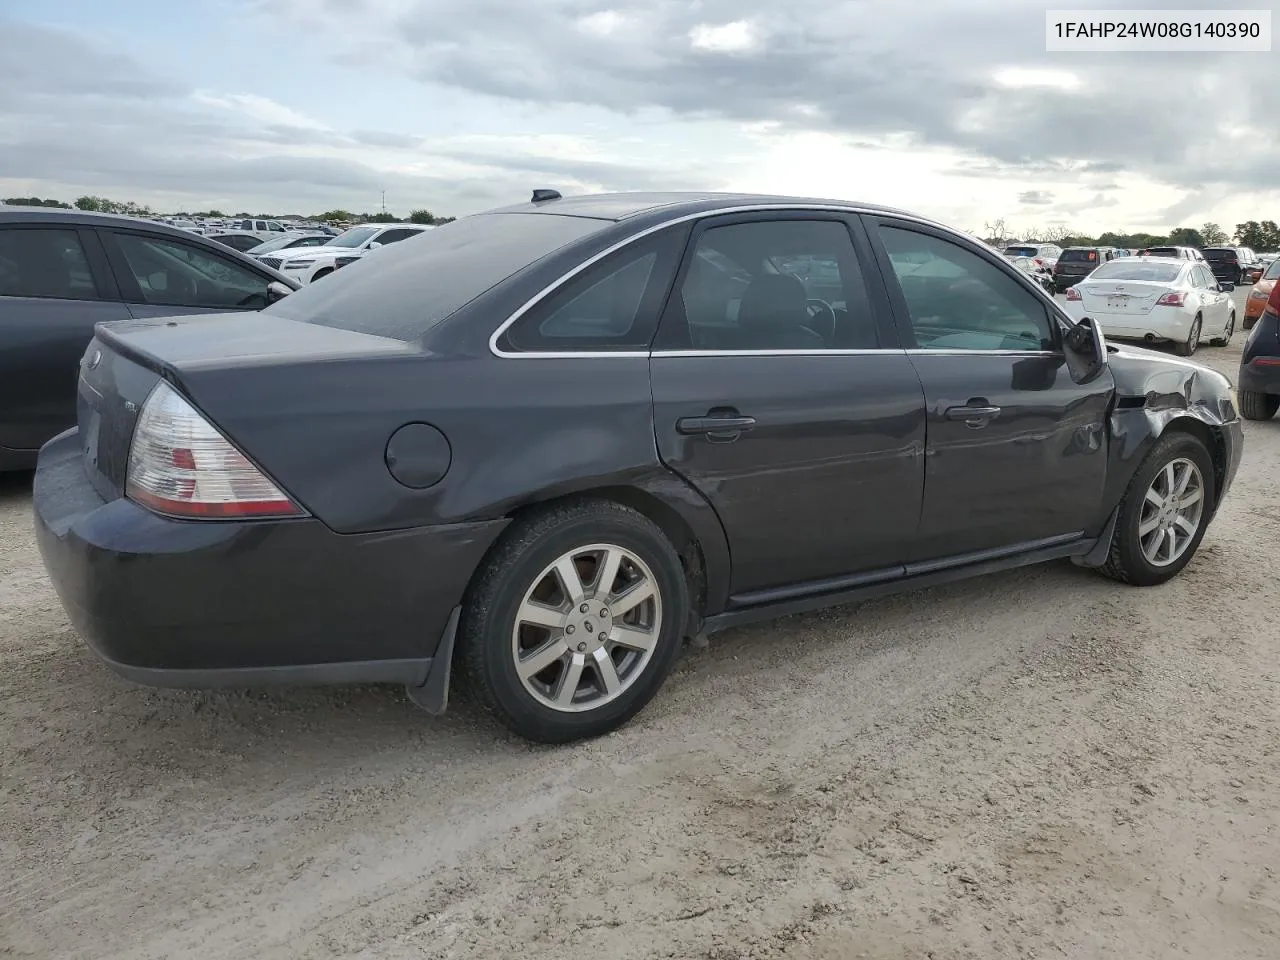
[574,622]
[1258,406]
[1164,512]
[1225,339]
[1188,346]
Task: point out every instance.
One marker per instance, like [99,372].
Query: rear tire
[1188,347]
[531,651]
[1225,339]
[1130,560]
[1258,406]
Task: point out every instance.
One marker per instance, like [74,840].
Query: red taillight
[1039,261]
[180,465]
[1273,302]
[1174,299]
[1073,293]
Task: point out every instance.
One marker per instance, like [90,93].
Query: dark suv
[1076,263]
[1229,263]
[63,271]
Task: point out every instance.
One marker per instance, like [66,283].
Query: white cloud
[259,108]
[603,23]
[1015,77]
[740,36]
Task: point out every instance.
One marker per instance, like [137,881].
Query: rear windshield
[1022,251]
[1211,254]
[1079,256]
[1137,270]
[1161,252]
[403,290]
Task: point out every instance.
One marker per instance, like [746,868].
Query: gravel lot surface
[1035,764]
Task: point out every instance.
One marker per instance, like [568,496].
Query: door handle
[715,428]
[974,416]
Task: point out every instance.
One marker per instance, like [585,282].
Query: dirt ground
[1037,764]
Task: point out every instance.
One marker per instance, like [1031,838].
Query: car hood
[308,253]
[1167,381]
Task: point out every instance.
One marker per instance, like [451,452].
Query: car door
[1016,450]
[160,275]
[1216,307]
[782,397]
[54,286]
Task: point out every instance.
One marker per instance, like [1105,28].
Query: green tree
[1186,237]
[381,218]
[421,216]
[337,215]
[34,202]
[1214,235]
[1258,236]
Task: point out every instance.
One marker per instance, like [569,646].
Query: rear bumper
[202,604]
[1259,377]
[1162,323]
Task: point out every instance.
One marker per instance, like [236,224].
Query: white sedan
[307,264]
[1157,299]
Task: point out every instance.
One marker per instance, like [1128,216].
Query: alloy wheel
[587,627]
[1171,512]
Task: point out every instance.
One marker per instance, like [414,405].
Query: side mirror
[277,291]
[374,245]
[1226,286]
[1086,350]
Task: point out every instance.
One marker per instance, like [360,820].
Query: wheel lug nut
[604,611]
[581,647]
[569,628]
[583,608]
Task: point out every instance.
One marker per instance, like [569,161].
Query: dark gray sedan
[546,443]
[62,271]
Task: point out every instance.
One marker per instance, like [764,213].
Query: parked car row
[544,444]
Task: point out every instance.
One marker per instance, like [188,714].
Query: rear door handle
[715,428]
[974,416]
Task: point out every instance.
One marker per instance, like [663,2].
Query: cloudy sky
[951,108]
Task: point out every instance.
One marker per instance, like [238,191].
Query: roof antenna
[542,195]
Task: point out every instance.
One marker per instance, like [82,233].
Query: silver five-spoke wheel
[1171,512]
[587,627]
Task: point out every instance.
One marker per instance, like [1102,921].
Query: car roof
[55,216]
[622,206]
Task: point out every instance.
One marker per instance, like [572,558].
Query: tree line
[1257,235]
[105,205]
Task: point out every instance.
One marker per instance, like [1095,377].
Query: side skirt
[803,598]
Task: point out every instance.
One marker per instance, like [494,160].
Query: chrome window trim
[649,231]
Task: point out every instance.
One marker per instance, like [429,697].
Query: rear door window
[46,263]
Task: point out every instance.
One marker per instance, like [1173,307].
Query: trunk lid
[1131,297]
[126,359]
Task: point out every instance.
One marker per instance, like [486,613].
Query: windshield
[1080,256]
[353,237]
[1273,271]
[410,287]
[1137,270]
[1022,251]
